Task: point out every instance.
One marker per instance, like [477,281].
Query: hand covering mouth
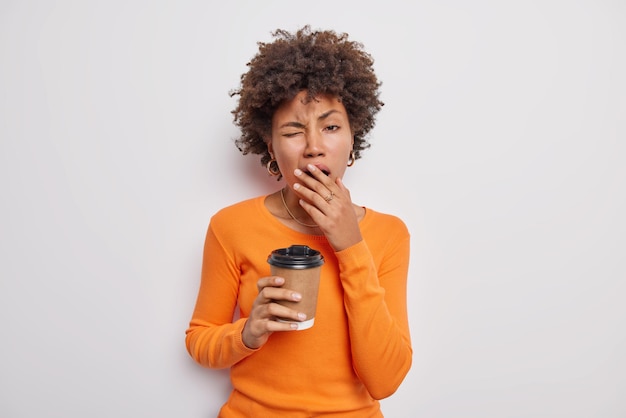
[320,167]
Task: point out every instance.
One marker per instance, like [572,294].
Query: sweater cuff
[240,348]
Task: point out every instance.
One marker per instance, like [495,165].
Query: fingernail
[294,325]
[296,296]
[311,167]
[301,316]
[279,280]
[296,186]
[297,172]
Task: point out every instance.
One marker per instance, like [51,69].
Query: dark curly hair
[321,62]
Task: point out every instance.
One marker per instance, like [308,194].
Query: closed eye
[291,134]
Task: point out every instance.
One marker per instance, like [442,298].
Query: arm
[374,297]
[212,339]
[375,303]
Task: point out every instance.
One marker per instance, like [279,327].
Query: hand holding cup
[266,310]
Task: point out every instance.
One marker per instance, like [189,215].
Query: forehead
[302,107]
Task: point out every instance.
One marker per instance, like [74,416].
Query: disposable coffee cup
[300,266]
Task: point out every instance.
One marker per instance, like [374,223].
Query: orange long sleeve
[359,349]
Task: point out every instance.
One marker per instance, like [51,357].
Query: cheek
[285,160]
[347,150]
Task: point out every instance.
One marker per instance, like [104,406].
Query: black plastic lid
[296,257]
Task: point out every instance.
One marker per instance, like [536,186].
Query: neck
[309,223]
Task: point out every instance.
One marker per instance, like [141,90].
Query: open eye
[332,128]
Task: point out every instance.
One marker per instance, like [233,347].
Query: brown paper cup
[300,266]
[306,282]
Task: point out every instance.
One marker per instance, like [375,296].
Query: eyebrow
[295,124]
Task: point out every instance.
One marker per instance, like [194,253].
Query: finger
[319,175]
[278,311]
[341,186]
[317,180]
[342,190]
[260,328]
[330,188]
[317,194]
[277,293]
[270,281]
[273,326]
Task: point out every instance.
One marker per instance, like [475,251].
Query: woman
[305,105]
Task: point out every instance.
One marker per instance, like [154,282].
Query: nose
[314,145]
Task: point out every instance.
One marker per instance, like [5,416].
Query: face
[315,132]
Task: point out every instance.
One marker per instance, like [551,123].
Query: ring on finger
[329,197]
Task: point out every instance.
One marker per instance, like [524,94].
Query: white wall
[501,145]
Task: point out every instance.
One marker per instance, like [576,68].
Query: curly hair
[320,62]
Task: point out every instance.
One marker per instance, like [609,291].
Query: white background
[501,145]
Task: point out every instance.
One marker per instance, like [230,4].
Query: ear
[270,148]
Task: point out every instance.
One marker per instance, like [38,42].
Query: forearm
[379,334]
[216,346]
[212,338]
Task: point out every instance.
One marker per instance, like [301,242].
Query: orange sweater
[359,349]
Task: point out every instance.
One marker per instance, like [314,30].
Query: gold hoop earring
[351,159]
[272,167]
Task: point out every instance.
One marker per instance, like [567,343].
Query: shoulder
[244,207]
[387,237]
[238,215]
[384,222]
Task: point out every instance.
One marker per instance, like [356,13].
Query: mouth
[323,169]
[308,173]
